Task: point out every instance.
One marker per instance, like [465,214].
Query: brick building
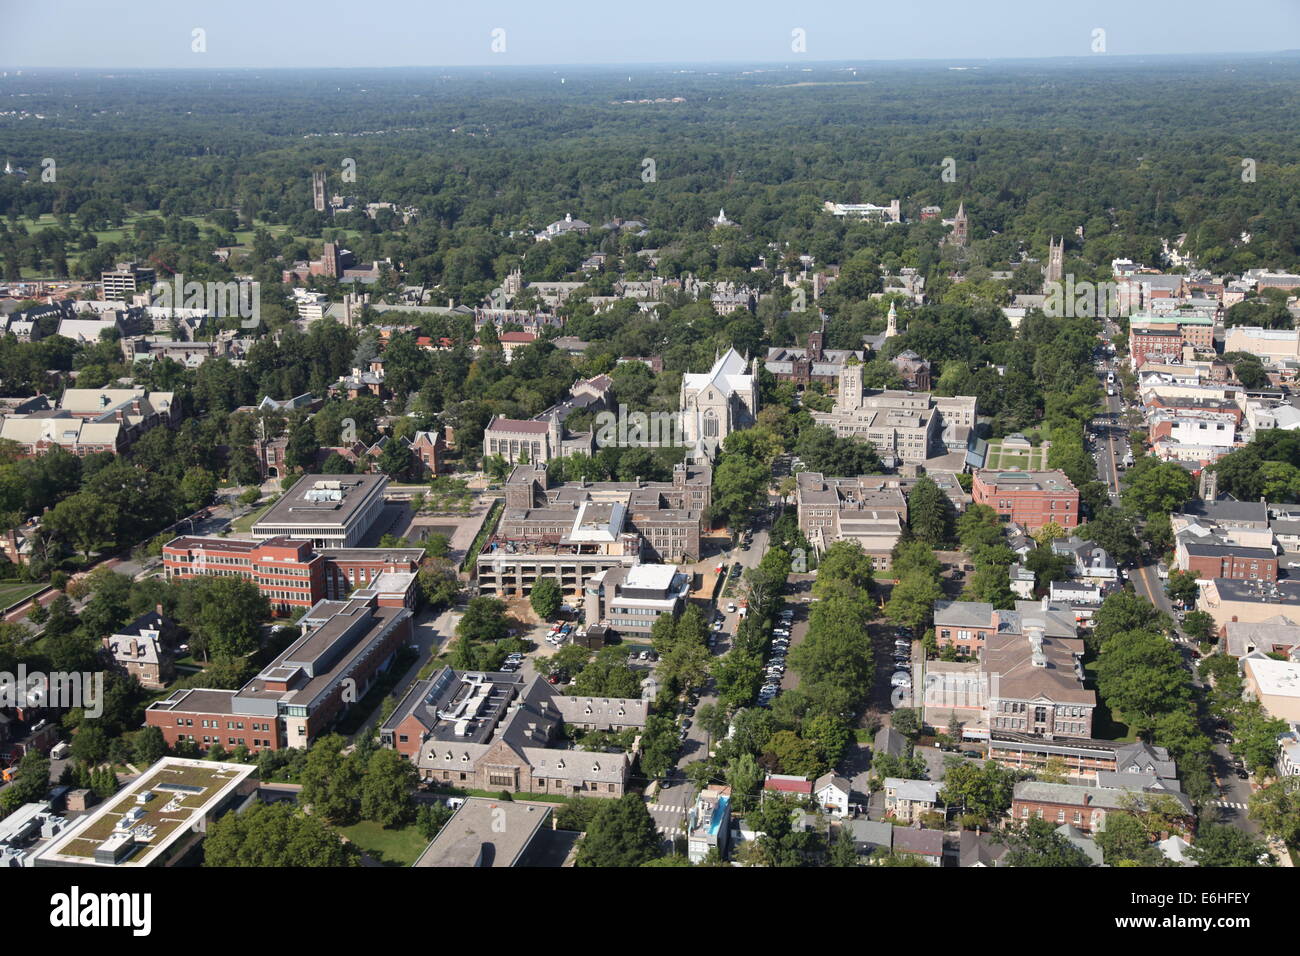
[290,572]
[143,649]
[1225,560]
[430,452]
[1086,806]
[573,531]
[344,646]
[1032,499]
[1154,345]
[496,731]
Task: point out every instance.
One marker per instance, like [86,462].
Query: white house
[832,794]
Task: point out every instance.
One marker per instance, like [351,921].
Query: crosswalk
[674,812]
[666,808]
[1230,806]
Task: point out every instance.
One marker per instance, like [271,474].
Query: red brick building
[430,451]
[344,646]
[289,571]
[1227,561]
[1030,498]
[1155,345]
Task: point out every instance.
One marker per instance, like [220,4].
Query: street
[669,804]
[1234,793]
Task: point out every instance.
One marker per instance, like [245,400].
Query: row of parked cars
[559,633]
[776,660]
[902,660]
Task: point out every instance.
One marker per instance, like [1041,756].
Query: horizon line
[692,65]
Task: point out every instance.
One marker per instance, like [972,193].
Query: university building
[574,531]
[334,511]
[1031,499]
[291,573]
[497,731]
[344,647]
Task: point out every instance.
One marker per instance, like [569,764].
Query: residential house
[906,800]
[143,649]
[831,792]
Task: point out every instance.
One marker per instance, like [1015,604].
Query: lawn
[400,846]
[11,594]
[1004,459]
[245,524]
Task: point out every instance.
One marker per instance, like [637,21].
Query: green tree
[1159,488]
[795,755]
[929,512]
[386,790]
[912,601]
[1140,674]
[546,599]
[907,722]
[198,487]
[983,791]
[979,526]
[843,561]
[622,833]
[1218,844]
[331,783]
[275,835]
[1276,808]
[1124,611]
[87,524]
[150,746]
[1036,843]
[1126,839]
[739,489]
[90,744]
[1182,586]
[484,620]
[1199,626]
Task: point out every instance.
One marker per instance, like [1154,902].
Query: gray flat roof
[321,501]
[486,832]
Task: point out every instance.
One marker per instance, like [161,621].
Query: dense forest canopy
[1132,150]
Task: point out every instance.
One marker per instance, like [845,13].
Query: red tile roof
[788,786]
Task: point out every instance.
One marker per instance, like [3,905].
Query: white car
[901,679]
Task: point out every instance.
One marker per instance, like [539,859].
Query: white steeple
[891,321]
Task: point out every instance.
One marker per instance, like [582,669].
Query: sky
[405,33]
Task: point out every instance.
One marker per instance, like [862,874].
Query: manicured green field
[400,846]
[11,594]
[1004,459]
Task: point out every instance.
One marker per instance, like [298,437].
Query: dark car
[1243,773]
[973,754]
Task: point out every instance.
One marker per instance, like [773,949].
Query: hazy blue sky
[334,33]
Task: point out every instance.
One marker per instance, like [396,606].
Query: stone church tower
[318,190]
[961,227]
[1055,260]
